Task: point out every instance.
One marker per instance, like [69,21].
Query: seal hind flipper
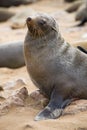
[55,107]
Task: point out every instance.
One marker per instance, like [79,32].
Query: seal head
[40,25]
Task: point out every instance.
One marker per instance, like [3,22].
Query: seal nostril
[29,19]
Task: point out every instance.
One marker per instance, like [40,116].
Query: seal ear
[54,28]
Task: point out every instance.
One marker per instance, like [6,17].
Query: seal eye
[42,22]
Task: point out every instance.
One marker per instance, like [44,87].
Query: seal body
[11,55]
[56,68]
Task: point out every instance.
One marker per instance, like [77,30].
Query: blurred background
[71,16]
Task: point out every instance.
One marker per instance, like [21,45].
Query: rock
[36,100]
[28,126]
[9,87]
[14,84]
[76,107]
[16,99]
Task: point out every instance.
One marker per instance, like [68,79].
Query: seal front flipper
[55,107]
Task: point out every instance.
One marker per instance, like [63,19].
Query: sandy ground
[22,118]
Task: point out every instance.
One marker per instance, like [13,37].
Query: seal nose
[29,19]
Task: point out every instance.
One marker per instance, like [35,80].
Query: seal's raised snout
[29,19]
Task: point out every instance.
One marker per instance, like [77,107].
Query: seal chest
[55,67]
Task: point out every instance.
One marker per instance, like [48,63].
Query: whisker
[36,32]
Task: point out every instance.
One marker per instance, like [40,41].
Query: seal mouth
[34,27]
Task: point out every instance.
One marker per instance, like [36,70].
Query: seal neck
[52,39]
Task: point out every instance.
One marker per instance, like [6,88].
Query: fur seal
[56,68]
[5,14]
[8,3]
[81,14]
[11,55]
[69,0]
[74,7]
[81,8]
